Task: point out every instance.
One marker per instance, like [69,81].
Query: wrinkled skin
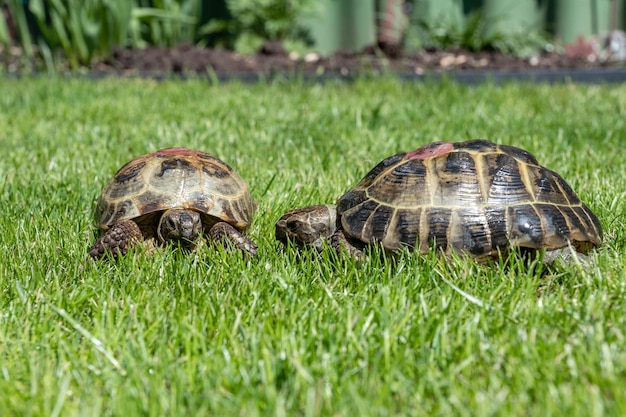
[313,225]
[308,226]
[180,226]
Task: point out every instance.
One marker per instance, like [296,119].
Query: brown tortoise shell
[473,196]
[176,178]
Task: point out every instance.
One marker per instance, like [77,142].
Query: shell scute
[455,181]
[379,222]
[215,168]
[379,168]
[470,231]
[519,154]
[199,201]
[115,212]
[506,182]
[548,188]
[590,231]
[477,145]
[356,220]
[565,189]
[351,199]
[497,223]
[392,187]
[129,171]
[554,222]
[459,163]
[525,226]
[438,225]
[402,229]
[408,226]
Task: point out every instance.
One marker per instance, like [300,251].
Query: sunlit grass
[289,334]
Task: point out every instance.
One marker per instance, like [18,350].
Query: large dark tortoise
[173,195]
[471,197]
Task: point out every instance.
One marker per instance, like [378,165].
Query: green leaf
[4,32]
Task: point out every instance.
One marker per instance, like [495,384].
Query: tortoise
[173,195]
[474,197]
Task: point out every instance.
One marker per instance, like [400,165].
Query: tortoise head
[180,226]
[308,226]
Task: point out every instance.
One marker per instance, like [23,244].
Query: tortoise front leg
[117,240]
[222,231]
[339,242]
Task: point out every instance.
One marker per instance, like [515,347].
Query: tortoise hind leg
[117,240]
[567,256]
[222,231]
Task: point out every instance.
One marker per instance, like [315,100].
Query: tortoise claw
[222,232]
[117,240]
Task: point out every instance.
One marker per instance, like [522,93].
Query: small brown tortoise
[471,197]
[173,195]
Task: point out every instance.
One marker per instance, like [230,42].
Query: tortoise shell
[475,197]
[176,178]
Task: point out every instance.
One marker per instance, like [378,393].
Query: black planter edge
[467,77]
[556,76]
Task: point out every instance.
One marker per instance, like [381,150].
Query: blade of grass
[96,343]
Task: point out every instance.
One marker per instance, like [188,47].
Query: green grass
[284,335]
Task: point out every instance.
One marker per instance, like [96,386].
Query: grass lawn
[213,334]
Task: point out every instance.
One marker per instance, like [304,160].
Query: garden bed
[273,59]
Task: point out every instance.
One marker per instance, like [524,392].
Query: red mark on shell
[176,151]
[431,150]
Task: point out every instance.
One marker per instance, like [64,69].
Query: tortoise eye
[293,226]
[170,222]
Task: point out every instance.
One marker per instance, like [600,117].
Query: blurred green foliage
[84,30]
[251,22]
[472,33]
[53,34]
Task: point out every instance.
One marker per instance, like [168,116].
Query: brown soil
[273,59]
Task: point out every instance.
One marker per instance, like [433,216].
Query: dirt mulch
[273,59]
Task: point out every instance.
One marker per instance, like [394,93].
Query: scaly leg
[223,231]
[568,256]
[339,242]
[116,240]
